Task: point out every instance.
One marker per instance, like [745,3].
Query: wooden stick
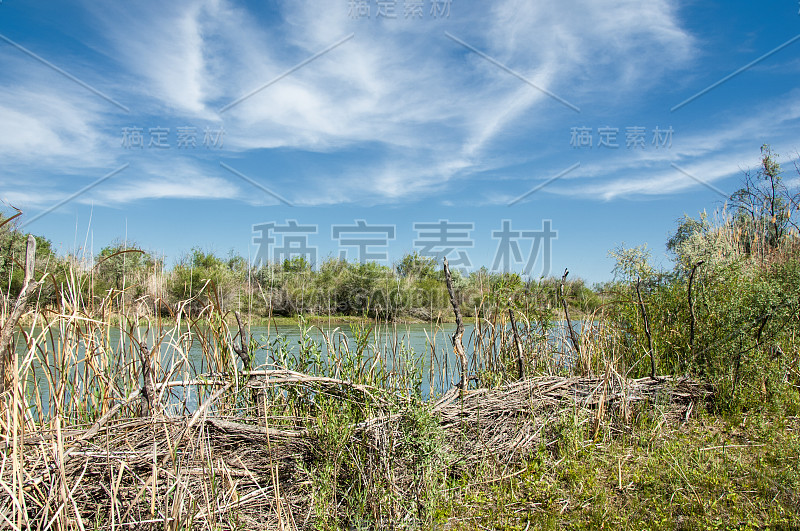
[242,349]
[691,307]
[458,345]
[148,386]
[92,431]
[7,331]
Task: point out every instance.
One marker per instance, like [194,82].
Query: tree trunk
[7,358]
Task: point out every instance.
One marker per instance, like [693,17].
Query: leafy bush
[741,331]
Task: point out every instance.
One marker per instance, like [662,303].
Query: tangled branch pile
[222,473]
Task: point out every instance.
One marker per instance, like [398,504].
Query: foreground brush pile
[206,471]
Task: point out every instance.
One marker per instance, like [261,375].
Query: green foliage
[202,271]
[712,474]
[504,288]
[742,335]
[632,263]
[764,204]
[415,266]
[298,264]
[357,476]
[690,231]
[367,288]
[122,273]
[122,265]
[13,244]
[744,325]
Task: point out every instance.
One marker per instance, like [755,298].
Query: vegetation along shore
[218,395]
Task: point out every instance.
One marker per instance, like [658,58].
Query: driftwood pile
[154,471]
[511,420]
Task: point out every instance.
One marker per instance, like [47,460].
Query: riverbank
[170,421]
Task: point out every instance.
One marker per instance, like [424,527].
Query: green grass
[710,473]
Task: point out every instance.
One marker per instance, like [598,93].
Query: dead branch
[29,287]
[517,344]
[572,336]
[243,348]
[148,381]
[458,345]
[110,462]
[646,330]
[691,306]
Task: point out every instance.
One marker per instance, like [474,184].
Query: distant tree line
[123,274]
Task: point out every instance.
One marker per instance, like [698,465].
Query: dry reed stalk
[222,467]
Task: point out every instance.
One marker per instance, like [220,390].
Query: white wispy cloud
[438,109]
[52,126]
[168,179]
[716,152]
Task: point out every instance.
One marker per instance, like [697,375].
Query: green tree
[417,267]
[632,263]
[298,264]
[119,261]
[13,245]
[764,204]
[199,270]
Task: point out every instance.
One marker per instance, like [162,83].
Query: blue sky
[449,111]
